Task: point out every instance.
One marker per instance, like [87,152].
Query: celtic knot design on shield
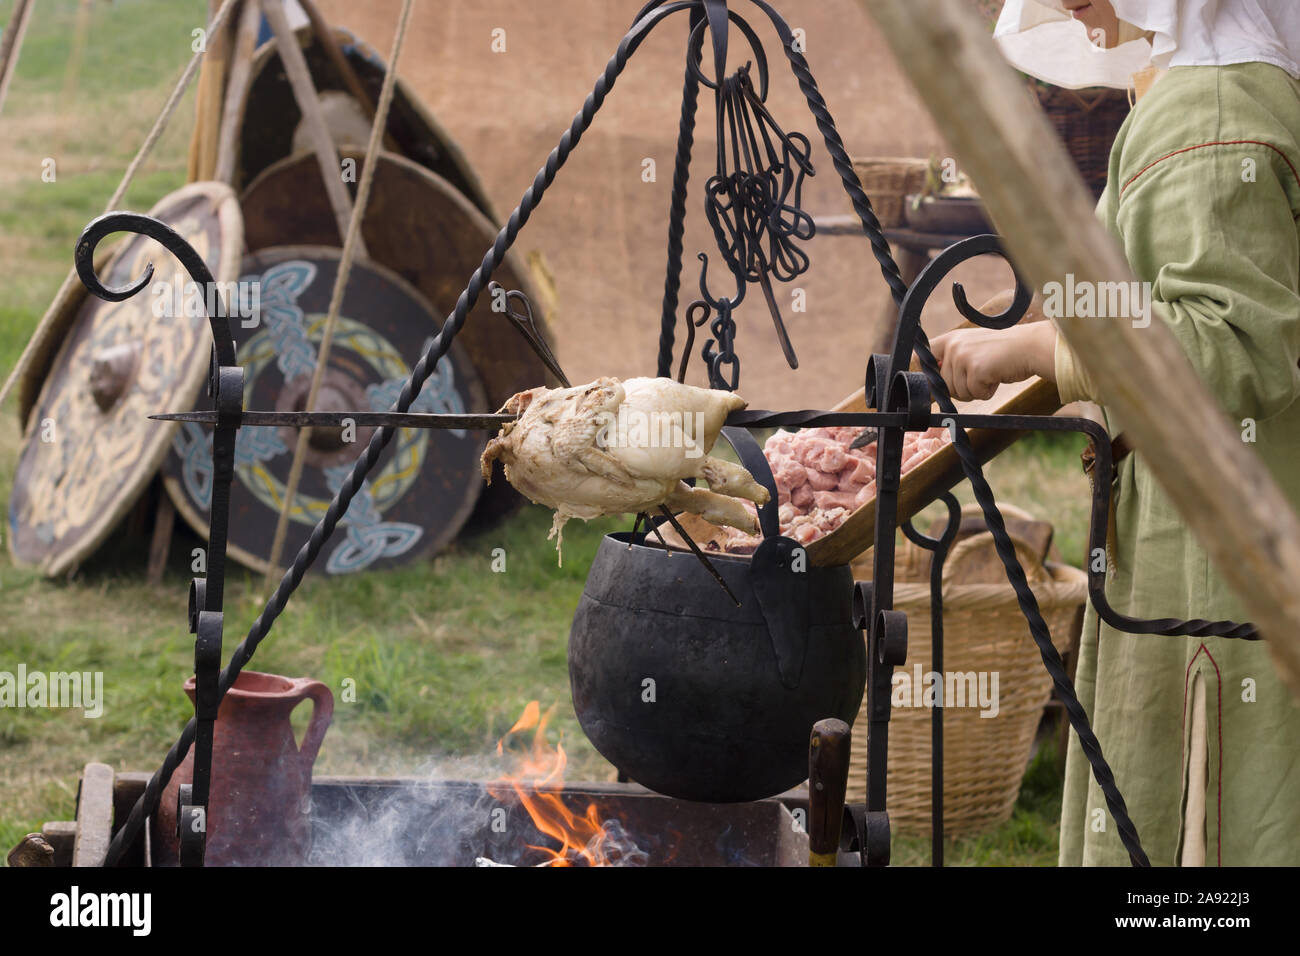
[439,395]
[368,536]
[280,287]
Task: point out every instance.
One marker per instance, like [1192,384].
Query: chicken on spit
[613,447]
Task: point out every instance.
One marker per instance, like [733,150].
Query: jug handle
[322,713]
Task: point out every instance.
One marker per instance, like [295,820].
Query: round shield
[270,115]
[423,229]
[90,448]
[427,481]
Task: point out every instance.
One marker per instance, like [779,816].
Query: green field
[445,654]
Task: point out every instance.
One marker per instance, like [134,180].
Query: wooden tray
[938,473]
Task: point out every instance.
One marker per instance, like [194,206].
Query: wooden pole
[241,66]
[207,103]
[11,43]
[1045,215]
[324,34]
[318,134]
[351,245]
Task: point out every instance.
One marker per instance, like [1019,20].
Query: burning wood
[538,782]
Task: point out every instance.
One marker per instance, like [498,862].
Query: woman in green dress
[1204,197]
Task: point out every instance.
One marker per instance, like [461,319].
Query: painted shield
[90,448]
[427,481]
[427,232]
[270,114]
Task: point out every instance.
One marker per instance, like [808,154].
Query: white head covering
[1040,38]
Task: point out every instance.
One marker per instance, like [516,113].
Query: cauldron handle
[755,462]
[775,570]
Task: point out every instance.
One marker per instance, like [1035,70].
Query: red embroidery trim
[1230,142]
[1218,823]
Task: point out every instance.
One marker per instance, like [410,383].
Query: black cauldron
[694,697]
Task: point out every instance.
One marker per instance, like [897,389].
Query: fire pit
[406,822]
[411,821]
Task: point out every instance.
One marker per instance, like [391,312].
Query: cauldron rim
[639,539]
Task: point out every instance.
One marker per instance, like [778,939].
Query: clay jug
[260,810]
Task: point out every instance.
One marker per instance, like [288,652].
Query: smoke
[427,820]
[437,820]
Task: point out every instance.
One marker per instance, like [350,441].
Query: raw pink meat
[826,500]
[832,459]
[806,534]
[802,497]
[789,473]
[820,481]
[865,494]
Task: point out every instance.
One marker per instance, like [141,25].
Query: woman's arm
[974,362]
[1220,257]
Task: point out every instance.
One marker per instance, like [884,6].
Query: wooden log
[94,815]
[129,786]
[1045,215]
[32,850]
[304,91]
[61,835]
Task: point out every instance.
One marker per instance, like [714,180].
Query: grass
[1029,838]
[444,654]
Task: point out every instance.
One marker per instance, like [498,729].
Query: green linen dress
[1203,195]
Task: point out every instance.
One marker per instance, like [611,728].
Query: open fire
[537,781]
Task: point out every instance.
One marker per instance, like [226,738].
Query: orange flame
[537,781]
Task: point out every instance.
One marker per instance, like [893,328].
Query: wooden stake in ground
[1045,216]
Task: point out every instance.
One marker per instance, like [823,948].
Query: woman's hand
[974,362]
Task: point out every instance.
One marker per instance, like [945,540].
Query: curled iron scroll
[173,242]
[909,321]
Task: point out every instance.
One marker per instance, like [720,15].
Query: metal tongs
[524,323]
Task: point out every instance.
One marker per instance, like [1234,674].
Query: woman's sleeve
[1073,384]
[1212,230]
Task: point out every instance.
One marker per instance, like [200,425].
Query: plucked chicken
[623,447]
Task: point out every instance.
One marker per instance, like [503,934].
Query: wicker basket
[1087,122]
[984,632]
[886,181]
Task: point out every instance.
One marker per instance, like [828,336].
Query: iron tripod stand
[753,209]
